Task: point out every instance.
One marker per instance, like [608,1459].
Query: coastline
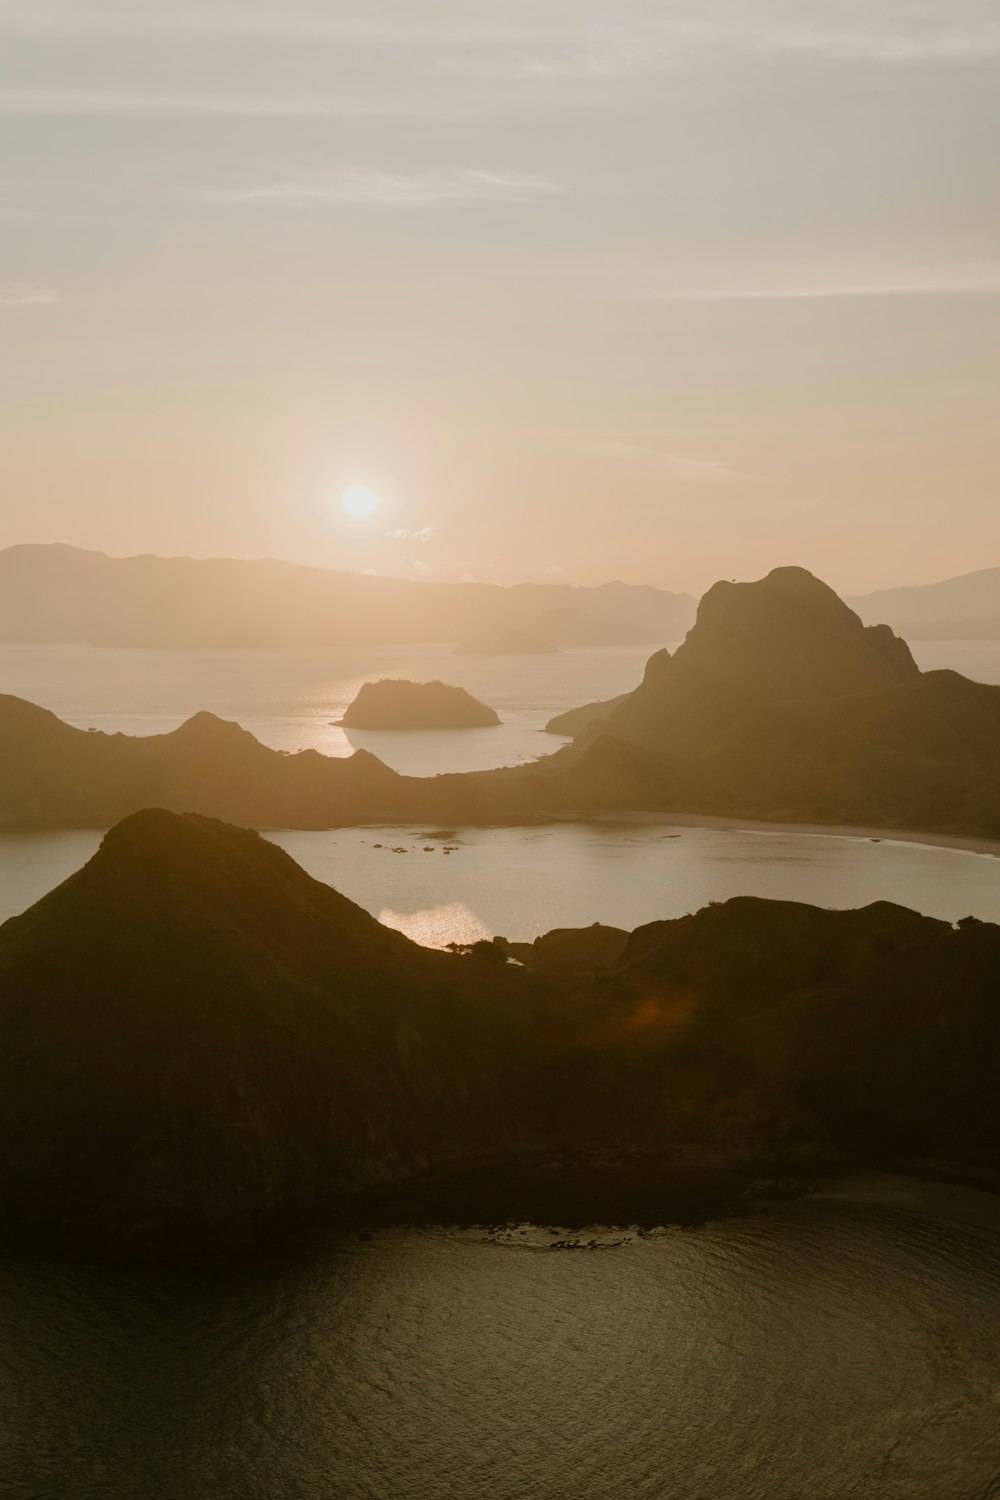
[987,848]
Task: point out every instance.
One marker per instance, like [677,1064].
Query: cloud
[77,104]
[670,465]
[83,18]
[23,295]
[958,279]
[371,188]
[402,535]
[549,38]
[419,566]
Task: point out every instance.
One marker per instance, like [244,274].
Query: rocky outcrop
[397,704]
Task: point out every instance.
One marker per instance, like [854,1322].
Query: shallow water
[829,1350]
[523,881]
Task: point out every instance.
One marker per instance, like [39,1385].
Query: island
[780,706]
[203,1049]
[394,703]
[502,641]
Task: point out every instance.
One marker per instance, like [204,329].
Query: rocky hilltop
[200,1046]
[394,703]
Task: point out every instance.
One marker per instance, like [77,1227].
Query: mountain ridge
[58,593]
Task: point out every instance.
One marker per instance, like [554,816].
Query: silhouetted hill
[787,637]
[963,608]
[396,704]
[53,773]
[66,594]
[779,705]
[199,1044]
[194,1034]
[578,720]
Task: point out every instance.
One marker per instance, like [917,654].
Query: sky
[664,291]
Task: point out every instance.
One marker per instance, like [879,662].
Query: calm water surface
[832,1349]
[289,698]
[523,881]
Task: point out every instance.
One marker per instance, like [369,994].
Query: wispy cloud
[21,294]
[79,104]
[133,18]
[961,279]
[371,188]
[402,535]
[548,38]
[670,465]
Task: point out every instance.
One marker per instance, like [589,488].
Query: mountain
[65,594]
[396,704]
[195,1036]
[780,704]
[201,1047]
[786,638]
[963,608]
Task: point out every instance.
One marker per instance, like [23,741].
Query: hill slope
[199,1045]
[193,1032]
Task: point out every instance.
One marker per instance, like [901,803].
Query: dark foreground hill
[201,1046]
[779,705]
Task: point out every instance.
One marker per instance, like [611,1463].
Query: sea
[842,1347]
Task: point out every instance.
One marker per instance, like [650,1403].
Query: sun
[359,501]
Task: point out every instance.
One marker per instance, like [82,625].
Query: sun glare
[359,501]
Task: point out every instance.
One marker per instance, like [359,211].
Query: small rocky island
[505,642]
[398,704]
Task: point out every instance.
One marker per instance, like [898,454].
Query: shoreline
[963,843]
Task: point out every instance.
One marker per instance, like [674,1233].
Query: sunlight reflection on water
[438,925]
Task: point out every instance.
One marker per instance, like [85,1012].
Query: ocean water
[290,699]
[832,1350]
[524,881]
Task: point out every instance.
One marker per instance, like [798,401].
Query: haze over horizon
[664,293]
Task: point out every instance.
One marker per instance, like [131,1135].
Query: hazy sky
[663,291]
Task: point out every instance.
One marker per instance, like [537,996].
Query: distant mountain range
[57,593]
[780,704]
[65,594]
[964,608]
[202,1047]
